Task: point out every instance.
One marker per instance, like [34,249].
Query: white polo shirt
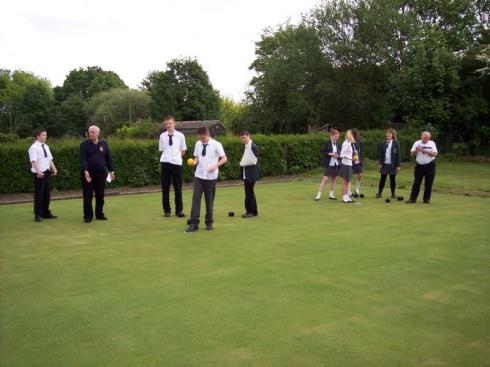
[172,153]
[214,151]
[422,158]
[36,154]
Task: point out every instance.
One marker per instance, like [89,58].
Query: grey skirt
[388,169]
[357,168]
[346,172]
[331,171]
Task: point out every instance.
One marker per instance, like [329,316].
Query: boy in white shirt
[209,155]
[42,168]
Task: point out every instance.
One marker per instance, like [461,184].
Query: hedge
[137,161]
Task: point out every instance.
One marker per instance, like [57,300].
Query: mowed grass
[304,284]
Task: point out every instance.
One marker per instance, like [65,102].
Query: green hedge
[137,161]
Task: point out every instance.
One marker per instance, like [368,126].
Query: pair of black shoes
[180,215]
[102,217]
[249,215]
[38,218]
[413,201]
[195,227]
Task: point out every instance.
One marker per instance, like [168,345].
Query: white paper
[109,177]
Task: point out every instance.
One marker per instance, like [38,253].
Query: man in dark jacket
[389,162]
[95,157]
[250,173]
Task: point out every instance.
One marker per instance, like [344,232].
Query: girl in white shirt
[346,172]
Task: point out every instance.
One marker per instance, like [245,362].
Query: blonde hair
[94,127]
[349,136]
[393,133]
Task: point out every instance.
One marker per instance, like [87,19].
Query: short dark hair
[244,132]
[169,117]
[203,130]
[39,131]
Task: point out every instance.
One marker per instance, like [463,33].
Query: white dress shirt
[422,158]
[389,144]
[334,161]
[36,154]
[214,151]
[172,153]
[346,152]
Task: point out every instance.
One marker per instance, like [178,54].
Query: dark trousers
[98,186]
[382,182]
[42,194]
[171,173]
[250,201]
[208,188]
[429,172]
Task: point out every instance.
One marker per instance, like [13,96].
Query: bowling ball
[231,214]
[388,200]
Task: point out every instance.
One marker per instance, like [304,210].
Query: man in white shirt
[173,147]
[42,168]
[208,157]
[425,152]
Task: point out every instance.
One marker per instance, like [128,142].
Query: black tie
[170,142]
[204,150]
[44,150]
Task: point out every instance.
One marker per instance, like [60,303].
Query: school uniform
[357,164]
[171,146]
[250,174]
[331,165]
[204,181]
[94,158]
[39,152]
[389,158]
[346,164]
[425,168]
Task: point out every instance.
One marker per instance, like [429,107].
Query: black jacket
[252,173]
[328,148]
[395,153]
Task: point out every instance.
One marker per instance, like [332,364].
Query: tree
[182,90]
[116,107]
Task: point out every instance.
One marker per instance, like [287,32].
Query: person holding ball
[209,155]
[331,165]
[389,162]
[347,156]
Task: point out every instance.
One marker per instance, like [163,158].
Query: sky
[51,37]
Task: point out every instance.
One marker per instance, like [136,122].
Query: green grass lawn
[304,284]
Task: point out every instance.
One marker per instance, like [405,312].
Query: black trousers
[429,172]
[382,181]
[250,201]
[97,186]
[42,194]
[208,188]
[171,173]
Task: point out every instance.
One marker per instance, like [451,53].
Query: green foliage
[182,90]
[146,129]
[137,161]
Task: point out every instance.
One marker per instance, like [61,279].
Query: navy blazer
[252,173]
[328,148]
[395,153]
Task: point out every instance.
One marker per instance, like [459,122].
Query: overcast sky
[52,37]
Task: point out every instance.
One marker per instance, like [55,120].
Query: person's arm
[108,159]
[414,150]
[34,162]
[183,146]
[54,171]
[381,154]
[222,159]
[430,153]
[160,143]
[255,150]
[398,156]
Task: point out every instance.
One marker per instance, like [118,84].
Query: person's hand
[113,176]
[54,172]
[397,168]
[212,168]
[380,166]
[337,155]
[87,176]
[40,175]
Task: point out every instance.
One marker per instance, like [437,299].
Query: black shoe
[209,227]
[248,215]
[426,202]
[180,215]
[378,195]
[356,195]
[103,217]
[167,215]
[393,196]
[38,218]
[50,216]
[192,228]
[87,220]
[410,201]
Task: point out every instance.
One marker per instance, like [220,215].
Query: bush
[137,161]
